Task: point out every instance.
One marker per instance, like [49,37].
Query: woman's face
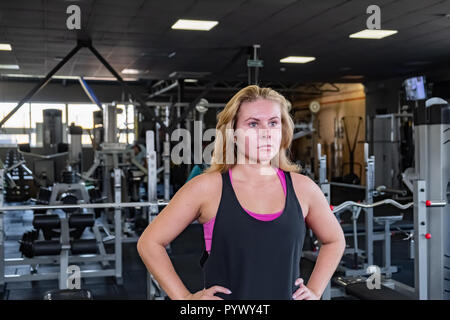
[258,131]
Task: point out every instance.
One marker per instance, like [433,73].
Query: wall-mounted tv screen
[415,88]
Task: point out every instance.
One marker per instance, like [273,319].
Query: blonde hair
[227,119]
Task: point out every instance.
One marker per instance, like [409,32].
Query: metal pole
[157,135]
[112,205]
[64,255]
[346,204]
[255,57]
[387,248]
[166,157]
[118,227]
[348,185]
[326,191]
[325,187]
[178,103]
[188,128]
[2,247]
[322,165]
[421,245]
[370,184]
[355,215]
[171,86]
[126,123]
[151,192]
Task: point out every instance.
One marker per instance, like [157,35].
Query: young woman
[254,208]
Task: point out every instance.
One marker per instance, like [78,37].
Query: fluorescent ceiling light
[200,25]
[297,59]
[373,34]
[5,46]
[9,66]
[190,80]
[18,75]
[130,71]
[66,77]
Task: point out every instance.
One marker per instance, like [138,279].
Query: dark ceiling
[137,34]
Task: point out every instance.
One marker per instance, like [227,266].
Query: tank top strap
[292,195]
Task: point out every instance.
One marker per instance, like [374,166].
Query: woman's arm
[182,209]
[325,226]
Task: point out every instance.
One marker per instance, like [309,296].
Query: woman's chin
[265,159]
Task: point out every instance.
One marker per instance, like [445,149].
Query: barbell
[86,206]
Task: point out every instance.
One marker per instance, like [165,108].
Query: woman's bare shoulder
[205,184]
[303,187]
[300,180]
[208,188]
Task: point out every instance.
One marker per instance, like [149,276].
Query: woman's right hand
[208,294]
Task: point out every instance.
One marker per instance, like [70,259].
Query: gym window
[25,126]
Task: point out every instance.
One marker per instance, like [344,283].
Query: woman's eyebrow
[251,118]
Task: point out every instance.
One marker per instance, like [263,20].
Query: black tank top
[255,259]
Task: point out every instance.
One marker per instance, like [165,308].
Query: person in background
[140,153]
[198,168]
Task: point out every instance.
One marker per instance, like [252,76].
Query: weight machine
[431,239]
[66,249]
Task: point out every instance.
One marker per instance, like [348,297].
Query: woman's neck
[254,172]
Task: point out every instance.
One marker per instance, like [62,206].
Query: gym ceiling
[137,34]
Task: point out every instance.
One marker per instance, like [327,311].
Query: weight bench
[384,224]
[357,287]
[68,294]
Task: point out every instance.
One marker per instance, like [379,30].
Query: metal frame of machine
[65,258]
[431,217]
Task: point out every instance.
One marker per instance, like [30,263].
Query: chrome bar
[346,204]
[85,206]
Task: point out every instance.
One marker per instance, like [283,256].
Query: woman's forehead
[261,108]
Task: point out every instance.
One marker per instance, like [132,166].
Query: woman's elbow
[339,242]
[342,243]
[145,245]
[141,245]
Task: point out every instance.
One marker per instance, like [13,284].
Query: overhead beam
[146,111]
[41,84]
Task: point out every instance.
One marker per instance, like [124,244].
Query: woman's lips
[265,146]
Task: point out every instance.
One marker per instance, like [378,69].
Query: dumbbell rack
[64,258]
[154,290]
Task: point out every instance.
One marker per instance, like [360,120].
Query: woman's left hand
[303,293]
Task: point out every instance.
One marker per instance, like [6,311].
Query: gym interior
[93,92]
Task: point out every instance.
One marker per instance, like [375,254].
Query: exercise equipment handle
[346,204]
[439,203]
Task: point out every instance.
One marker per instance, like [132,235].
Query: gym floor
[185,255]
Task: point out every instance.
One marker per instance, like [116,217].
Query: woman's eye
[274,123]
[252,123]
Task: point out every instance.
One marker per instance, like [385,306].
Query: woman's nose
[264,132]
